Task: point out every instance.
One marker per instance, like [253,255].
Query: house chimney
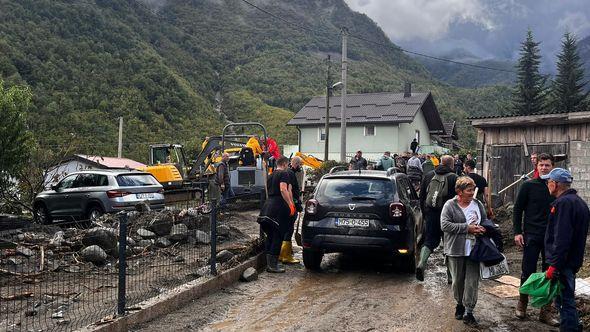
[407,90]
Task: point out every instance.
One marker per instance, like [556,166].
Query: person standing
[438,186]
[533,201]
[414,171]
[414,146]
[565,241]
[286,255]
[358,162]
[460,221]
[385,162]
[534,159]
[222,180]
[482,186]
[458,165]
[276,213]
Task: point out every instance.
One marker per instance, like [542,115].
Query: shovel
[297,232]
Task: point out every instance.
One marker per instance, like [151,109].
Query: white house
[376,122]
[80,162]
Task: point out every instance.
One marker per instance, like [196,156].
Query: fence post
[213,218]
[121,303]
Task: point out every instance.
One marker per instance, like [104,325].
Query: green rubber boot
[424,254]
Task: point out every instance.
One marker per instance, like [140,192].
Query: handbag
[494,271]
[485,251]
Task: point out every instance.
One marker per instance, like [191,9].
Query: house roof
[451,130]
[383,107]
[110,162]
[545,119]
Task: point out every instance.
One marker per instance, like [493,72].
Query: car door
[57,202]
[414,203]
[84,184]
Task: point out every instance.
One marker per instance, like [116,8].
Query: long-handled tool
[298,239]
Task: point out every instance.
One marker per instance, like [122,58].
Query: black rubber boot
[272,264]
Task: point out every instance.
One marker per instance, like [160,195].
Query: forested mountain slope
[169,66]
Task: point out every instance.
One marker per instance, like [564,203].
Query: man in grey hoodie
[385,162]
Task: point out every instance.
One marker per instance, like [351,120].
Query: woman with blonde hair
[460,222]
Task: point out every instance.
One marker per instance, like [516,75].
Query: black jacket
[567,230]
[441,170]
[533,199]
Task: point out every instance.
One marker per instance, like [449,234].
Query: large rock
[145,243]
[179,232]
[23,251]
[94,254]
[224,256]
[163,242]
[161,226]
[250,274]
[145,234]
[105,238]
[202,237]
[223,230]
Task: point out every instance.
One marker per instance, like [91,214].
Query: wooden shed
[507,142]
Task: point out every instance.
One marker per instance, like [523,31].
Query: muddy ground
[351,293]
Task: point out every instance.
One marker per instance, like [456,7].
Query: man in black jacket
[533,200]
[565,241]
[432,214]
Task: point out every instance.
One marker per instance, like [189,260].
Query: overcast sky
[487,28]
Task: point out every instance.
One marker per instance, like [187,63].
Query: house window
[321,134]
[418,136]
[370,130]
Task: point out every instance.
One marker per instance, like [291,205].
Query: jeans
[226,195]
[465,274]
[566,302]
[432,228]
[534,245]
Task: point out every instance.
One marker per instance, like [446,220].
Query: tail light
[397,211]
[117,193]
[311,207]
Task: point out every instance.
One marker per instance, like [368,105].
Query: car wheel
[94,212]
[42,216]
[312,259]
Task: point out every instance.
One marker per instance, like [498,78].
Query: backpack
[437,190]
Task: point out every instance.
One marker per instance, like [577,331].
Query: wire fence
[67,276]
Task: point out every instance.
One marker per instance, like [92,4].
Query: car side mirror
[54,187]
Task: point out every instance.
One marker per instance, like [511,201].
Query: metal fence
[68,276]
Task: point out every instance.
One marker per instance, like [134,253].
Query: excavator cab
[168,165]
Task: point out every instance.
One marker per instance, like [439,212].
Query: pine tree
[529,94]
[568,88]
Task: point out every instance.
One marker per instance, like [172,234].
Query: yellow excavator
[183,180]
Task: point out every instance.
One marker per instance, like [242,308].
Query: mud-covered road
[350,294]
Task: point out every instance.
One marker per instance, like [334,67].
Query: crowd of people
[550,223]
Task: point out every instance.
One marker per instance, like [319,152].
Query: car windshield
[339,189]
[136,180]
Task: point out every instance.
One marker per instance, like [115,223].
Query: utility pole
[328,93]
[344,33]
[120,149]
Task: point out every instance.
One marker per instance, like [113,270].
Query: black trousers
[432,228]
[534,245]
[290,228]
[273,241]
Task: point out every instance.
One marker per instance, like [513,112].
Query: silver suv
[87,195]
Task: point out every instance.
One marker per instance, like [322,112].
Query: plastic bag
[494,271]
[541,289]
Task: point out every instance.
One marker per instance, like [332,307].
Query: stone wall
[579,165]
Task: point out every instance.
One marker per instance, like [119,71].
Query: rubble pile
[40,248]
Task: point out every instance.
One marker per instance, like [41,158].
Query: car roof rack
[392,170]
[338,169]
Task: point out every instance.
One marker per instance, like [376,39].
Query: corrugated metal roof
[362,108]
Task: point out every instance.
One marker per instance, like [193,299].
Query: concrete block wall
[579,166]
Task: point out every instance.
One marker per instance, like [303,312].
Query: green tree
[529,94]
[568,88]
[15,138]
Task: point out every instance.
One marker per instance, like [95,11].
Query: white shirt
[415,161]
[472,215]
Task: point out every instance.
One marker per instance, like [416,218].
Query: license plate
[351,222]
[145,196]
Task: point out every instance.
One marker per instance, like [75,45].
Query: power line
[299,26]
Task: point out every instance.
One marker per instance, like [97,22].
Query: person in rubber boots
[287,246]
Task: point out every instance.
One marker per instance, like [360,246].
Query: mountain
[178,70]
[469,76]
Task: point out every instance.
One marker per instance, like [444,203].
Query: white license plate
[351,222]
[145,196]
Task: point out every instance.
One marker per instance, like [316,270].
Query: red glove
[550,273]
[292,210]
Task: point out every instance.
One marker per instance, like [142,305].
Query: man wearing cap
[358,162]
[530,214]
[565,241]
